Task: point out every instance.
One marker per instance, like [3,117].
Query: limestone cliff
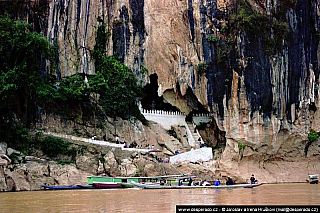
[266,102]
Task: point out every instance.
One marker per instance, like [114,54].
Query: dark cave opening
[199,109]
[151,100]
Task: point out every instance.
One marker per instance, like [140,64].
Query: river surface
[156,200]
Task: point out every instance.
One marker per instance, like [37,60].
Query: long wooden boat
[102,182]
[47,187]
[158,186]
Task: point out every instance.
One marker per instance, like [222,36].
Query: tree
[21,54]
[114,81]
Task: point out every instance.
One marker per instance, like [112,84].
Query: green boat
[103,182]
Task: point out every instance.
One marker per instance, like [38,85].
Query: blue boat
[46,187]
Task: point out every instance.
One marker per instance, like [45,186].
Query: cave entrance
[198,107]
[198,110]
[151,100]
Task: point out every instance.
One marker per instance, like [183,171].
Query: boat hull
[106,185]
[46,187]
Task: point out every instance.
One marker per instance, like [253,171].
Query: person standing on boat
[253,180]
[229,181]
[217,182]
[190,182]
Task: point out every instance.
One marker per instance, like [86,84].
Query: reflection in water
[139,200]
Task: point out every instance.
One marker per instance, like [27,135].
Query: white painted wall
[197,155]
[166,119]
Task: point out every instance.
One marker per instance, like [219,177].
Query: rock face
[35,172]
[267,103]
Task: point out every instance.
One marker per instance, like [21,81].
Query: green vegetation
[35,176]
[202,68]
[52,147]
[21,52]
[172,132]
[312,136]
[138,173]
[212,39]
[26,86]
[65,161]
[144,70]
[241,146]
[101,158]
[224,29]
[20,139]
[258,26]
[114,81]
[229,40]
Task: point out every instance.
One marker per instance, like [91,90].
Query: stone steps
[195,135]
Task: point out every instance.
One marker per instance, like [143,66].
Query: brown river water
[156,200]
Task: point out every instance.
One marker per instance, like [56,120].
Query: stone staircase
[195,134]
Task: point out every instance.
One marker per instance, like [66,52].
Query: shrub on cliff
[312,136]
[258,26]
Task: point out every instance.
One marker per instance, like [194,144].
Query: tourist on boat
[198,182]
[190,182]
[206,183]
[134,144]
[229,181]
[162,181]
[217,182]
[180,183]
[253,180]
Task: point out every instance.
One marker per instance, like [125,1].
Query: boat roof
[154,177]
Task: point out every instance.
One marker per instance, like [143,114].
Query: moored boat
[102,182]
[314,179]
[158,186]
[47,187]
